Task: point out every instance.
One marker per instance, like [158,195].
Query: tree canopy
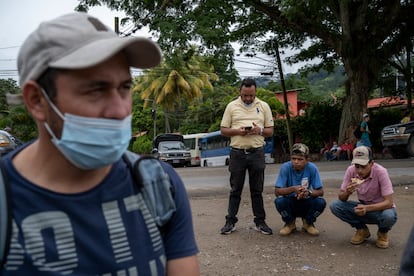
[362,34]
[183,75]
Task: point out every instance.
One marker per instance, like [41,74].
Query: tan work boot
[288,228]
[360,236]
[382,240]
[310,228]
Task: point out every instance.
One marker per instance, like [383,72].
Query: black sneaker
[262,227]
[228,228]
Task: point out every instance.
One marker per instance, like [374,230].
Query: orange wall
[292,98]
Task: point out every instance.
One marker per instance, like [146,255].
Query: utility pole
[153,114]
[282,81]
[116,24]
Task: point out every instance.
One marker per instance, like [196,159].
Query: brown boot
[360,236]
[310,228]
[287,229]
[382,240]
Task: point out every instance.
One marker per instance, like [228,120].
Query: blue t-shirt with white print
[308,177]
[98,232]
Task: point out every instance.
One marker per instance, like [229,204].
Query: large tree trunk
[408,78]
[358,88]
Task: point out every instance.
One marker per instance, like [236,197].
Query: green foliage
[363,35]
[181,79]
[319,125]
[141,117]
[142,145]
[8,86]
[269,97]
[15,117]
[21,123]
[206,113]
[324,83]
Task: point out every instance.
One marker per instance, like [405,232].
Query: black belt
[247,151]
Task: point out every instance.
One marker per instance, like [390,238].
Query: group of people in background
[344,151]
[336,152]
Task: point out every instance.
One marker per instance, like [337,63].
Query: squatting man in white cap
[375,205]
[76,208]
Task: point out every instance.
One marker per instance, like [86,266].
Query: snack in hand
[357,181]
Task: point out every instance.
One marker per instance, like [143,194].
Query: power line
[265,60]
[9,47]
[249,62]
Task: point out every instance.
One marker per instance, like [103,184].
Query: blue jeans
[290,208]
[254,163]
[344,210]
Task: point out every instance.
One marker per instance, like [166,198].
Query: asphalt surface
[210,180]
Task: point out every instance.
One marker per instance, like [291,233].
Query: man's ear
[35,101]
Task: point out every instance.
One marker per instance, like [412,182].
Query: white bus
[192,141]
[215,150]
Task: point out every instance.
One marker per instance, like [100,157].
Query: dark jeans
[254,163]
[290,208]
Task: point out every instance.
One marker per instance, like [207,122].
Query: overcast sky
[18,18]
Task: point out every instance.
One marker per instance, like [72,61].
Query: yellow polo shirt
[237,115]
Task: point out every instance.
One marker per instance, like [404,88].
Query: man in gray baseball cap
[79,210]
[77,41]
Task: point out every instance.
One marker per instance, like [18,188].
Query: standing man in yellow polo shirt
[247,121]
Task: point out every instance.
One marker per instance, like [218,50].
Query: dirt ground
[248,252]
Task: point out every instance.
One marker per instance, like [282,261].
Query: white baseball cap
[361,155]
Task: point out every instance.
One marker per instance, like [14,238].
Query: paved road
[401,172]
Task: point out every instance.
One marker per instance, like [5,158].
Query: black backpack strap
[155,186]
[5,215]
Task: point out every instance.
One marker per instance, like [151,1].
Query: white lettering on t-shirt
[54,227]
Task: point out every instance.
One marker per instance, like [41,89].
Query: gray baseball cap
[77,41]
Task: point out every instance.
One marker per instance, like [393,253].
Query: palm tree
[183,75]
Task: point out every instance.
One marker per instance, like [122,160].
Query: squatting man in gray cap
[77,209]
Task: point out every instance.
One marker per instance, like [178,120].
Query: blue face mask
[91,143]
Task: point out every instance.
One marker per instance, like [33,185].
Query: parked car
[8,142]
[170,148]
[399,139]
